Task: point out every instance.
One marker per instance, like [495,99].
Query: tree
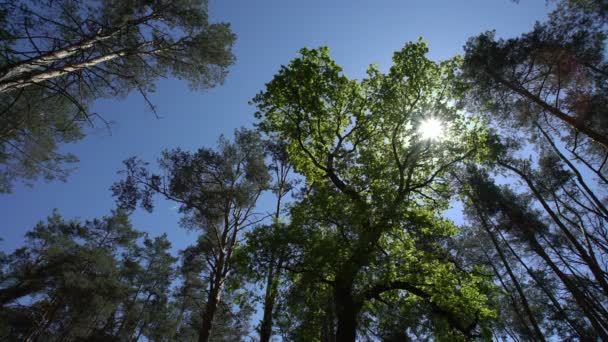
[231,322]
[58,56]
[217,191]
[368,225]
[555,245]
[94,280]
[267,248]
[557,70]
[69,271]
[544,93]
[145,310]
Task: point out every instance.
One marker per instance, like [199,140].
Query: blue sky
[269,34]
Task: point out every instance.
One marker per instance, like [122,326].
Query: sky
[270,32]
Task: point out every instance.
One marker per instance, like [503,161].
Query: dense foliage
[360,242]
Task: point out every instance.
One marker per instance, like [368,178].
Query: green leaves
[370,216]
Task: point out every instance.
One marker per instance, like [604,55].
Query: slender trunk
[514,280]
[127,310]
[572,122]
[328,330]
[36,63]
[27,66]
[9,85]
[10,294]
[139,318]
[47,319]
[597,171]
[180,318]
[519,315]
[524,301]
[213,301]
[141,331]
[579,176]
[269,299]
[580,298]
[592,263]
[273,272]
[577,295]
[540,283]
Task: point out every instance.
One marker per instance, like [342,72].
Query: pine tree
[59,56]
[217,191]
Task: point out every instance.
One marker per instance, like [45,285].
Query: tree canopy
[455,200]
[59,56]
[375,187]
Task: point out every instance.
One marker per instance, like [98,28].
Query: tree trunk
[328,329]
[524,301]
[578,296]
[347,310]
[31,65]
[577,173]
[572,122]
[19,83]
[11,294]
[274,272]
[519,315]
[210,309]
[19,69]
[539,282]
[213,300]
[269,299]
[591,263]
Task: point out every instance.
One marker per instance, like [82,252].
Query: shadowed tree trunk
[524,301]
[347,310]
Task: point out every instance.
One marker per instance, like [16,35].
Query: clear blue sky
[269,33]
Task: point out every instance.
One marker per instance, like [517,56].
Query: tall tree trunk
[579,177]
[347,310]
[591,262]
[567,119]
[213,299]
[213,302]
[23,69]
[519,316]
[486,226]
[45,75]
[514,280]
[269,300]
[274,273]
[10,294]
[328,329]
[28,66]
[598,324]
[540,283]
[45,321]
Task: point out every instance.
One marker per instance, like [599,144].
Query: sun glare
[431,129]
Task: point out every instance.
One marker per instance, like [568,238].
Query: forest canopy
[432,200]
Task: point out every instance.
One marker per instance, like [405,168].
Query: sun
[431,129]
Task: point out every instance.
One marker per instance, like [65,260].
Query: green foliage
[366,251]
[553,76]
[217,191]
[368,221]
[76,280]
[59,56]
[34,122]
